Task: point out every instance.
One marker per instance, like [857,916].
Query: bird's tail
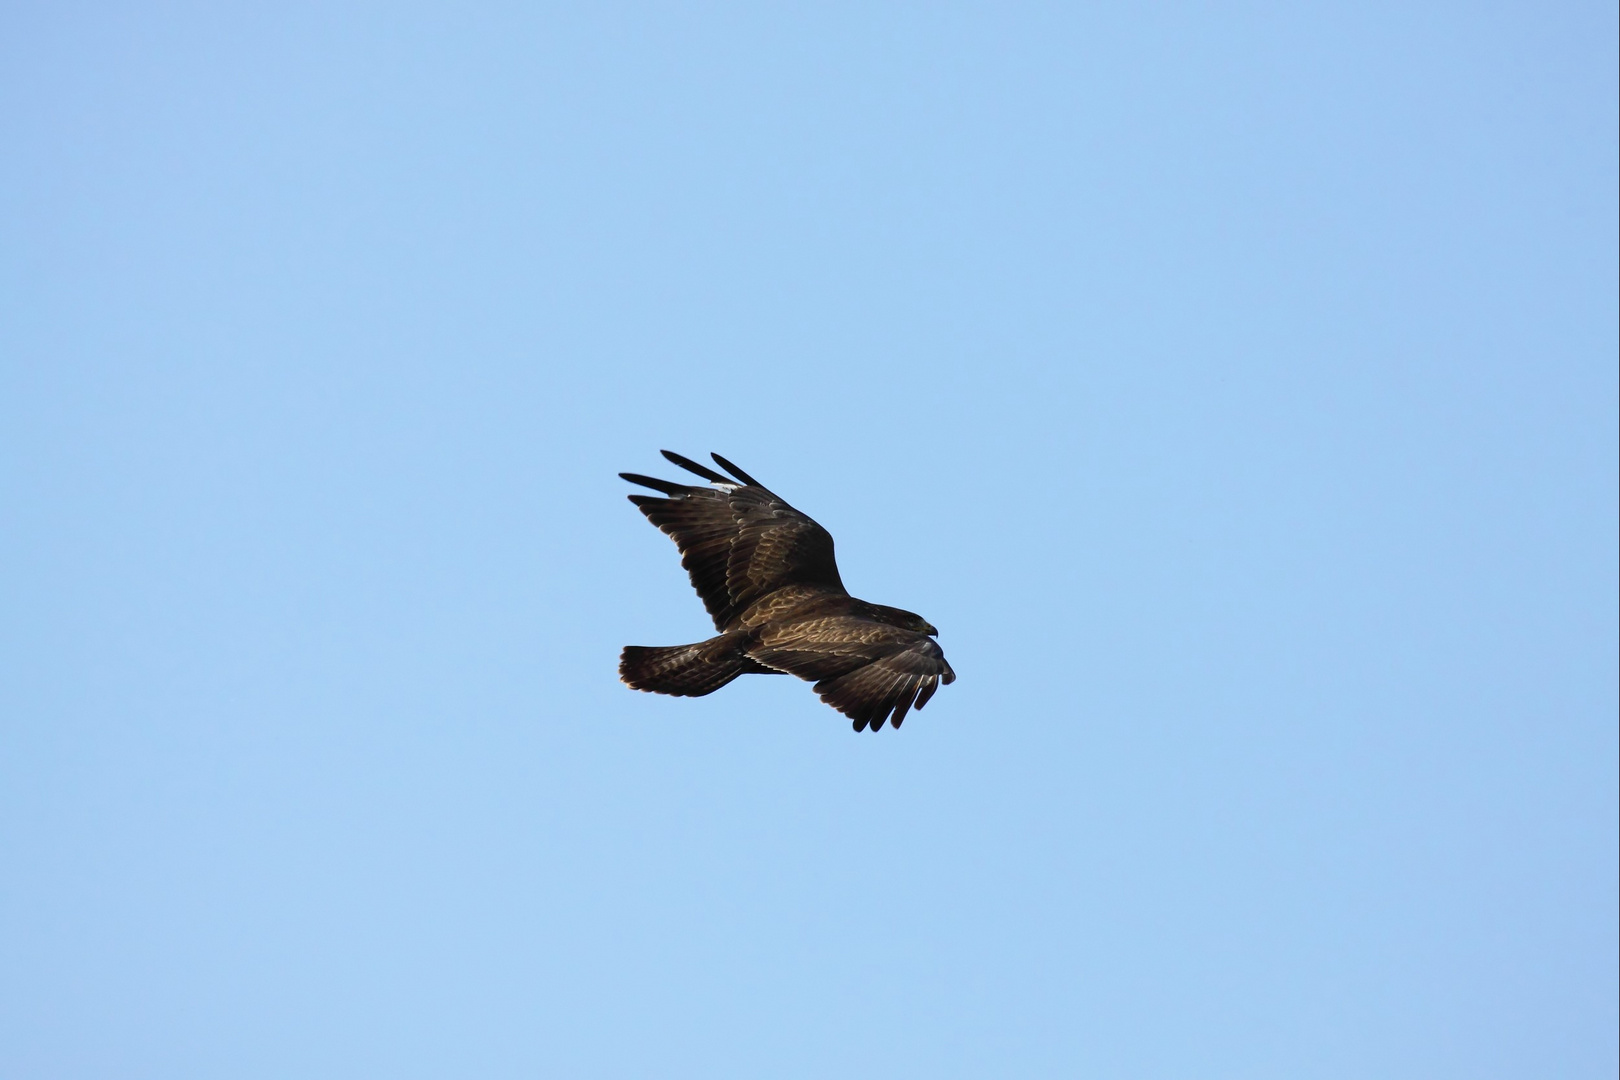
[687,670]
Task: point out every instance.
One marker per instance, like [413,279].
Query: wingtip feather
[734,471]
[693,467]
[656,484]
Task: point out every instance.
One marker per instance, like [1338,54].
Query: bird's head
[905,620]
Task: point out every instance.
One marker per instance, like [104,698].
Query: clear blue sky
[1233,385]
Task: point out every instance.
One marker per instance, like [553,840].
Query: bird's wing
[738,540]
[775,546]
[869,671]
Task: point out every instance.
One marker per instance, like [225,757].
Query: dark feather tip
[653,482]
[734,471]
[691,466]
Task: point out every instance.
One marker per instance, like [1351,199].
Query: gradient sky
[1234,386]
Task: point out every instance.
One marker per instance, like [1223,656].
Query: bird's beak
[931,631]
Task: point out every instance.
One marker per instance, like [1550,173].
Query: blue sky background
[1233,385]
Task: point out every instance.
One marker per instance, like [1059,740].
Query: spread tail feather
[687,670]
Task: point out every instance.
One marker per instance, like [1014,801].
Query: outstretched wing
[869,671]
[738,540]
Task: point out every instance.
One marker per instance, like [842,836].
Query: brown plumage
[767,576]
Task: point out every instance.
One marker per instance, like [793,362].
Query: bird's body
[767,575]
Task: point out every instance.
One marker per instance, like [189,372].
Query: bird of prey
[766,574]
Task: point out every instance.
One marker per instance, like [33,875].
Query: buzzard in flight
[766,573]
